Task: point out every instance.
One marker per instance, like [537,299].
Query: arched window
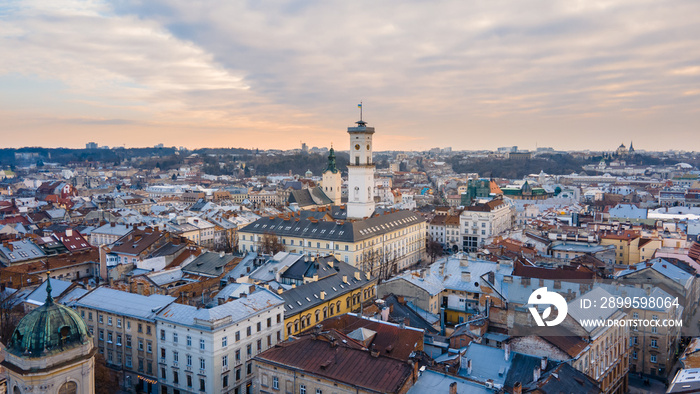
[347,301]
[296,325]
[289,328]
[318,314]
[325,312]
[337,306]
[68,388]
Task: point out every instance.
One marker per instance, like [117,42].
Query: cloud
[244,72]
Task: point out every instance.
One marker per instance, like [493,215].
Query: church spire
[49,299]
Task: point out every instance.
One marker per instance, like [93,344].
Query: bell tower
[360,171]
[331,181]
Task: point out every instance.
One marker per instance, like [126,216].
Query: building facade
[211,350]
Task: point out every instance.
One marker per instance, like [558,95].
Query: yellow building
[334,288]
[630,247]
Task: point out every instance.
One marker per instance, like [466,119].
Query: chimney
[221,255]
[543,363]
[517,388]
[536,374]
[357,275]
[330,263]
[322,295]
[453,388]
[469,366]
[69,233]
[345,279]
[506,351]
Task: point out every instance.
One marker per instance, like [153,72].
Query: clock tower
[360,172]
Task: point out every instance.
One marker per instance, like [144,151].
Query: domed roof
[48,329]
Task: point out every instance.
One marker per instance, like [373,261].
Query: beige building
[123,329]
[385,243]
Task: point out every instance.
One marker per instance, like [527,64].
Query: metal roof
[124,303]
[234,311]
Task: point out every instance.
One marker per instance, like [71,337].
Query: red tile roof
[345,362]
[391,340]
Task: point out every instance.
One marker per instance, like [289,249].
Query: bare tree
[9,318]
[434,250]
[270,243]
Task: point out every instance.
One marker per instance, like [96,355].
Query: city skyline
[467,75]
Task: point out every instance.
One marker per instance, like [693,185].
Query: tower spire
[49,299]
[360,107]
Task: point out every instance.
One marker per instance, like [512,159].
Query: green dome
[48,329]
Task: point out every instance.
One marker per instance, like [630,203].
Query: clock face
[367,146]
[357,146]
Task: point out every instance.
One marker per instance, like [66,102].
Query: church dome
[48,329]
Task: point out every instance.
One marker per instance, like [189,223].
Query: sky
[572,75]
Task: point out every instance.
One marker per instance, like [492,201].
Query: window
[238,355]
[302,389]
[102,335]
[224,341]
[90,316]
[249,368]
[653,343]
[189,341]
[140,344]
[189,360]
[202,364]
[162,353]
[99,318]
[176,377]
[109,336]
[201,344]
[109,320]
[225,382]
[248,331]
[128,325]
[279,318]
[189,380]
[238,336]
[140,327]
[269,322]
[119,339]
[148,330]
[175,337]
[176,356]
[149,347]
[162,373]
[238,373]
[259,326]
[128,341]
[275,383]
[318,391]
[141,364]
[128,361]
[653,358]
[162,335]
[259,345]
[119,323]
[224,361]
[654,330]
[202,386]
[249,350]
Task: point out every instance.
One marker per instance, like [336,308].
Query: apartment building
[204,350]
[484,220]
[123,328]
